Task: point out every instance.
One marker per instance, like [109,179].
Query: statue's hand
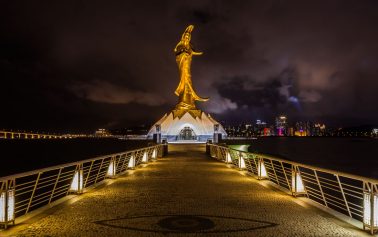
[197,53]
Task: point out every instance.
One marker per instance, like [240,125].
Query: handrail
[340,173]
[18,175]
[27,191]
[352,195]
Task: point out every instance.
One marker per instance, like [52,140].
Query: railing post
[154,154]
[207,149]
[241,161]
[131,164]
[55,184]
[297,187]
[228,156]
[77,180]
[145,157]
[274,171]
[370,217]
[112,168]
[320,188]
[343,194]
[165,148]
[7,202]
[32,195]
[261,170]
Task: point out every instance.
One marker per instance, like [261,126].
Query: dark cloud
[82,65]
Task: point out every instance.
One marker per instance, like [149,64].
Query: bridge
[194,190]
[30,135]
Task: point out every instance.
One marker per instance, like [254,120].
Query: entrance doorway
[187,134]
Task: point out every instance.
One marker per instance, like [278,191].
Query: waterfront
[351,155]
[25,155]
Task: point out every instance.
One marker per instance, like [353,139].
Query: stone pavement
[186,194]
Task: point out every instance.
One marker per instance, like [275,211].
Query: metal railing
[352,195]
[24,192]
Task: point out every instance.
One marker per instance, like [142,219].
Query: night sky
[80,65]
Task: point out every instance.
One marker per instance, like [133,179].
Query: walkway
[186,194]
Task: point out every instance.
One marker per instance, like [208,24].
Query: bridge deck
[188,192]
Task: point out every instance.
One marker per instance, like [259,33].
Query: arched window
[187,134]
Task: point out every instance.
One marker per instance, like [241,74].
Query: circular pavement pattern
[186,223]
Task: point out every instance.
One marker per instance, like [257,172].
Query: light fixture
[154,155]
[241,161]
[228,157]
[370,219]
[77,182]
[131,164]
[145,157]
[297,186]
[112,168]
[261,170]
[7,207]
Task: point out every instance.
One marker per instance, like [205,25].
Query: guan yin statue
[186,123]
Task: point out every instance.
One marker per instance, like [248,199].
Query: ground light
[154,154]
[370,219]
[261,170]
[228,157]
[131,164]
[145,157]
[241,161]
[6,207]
[112,168]
[297,186]
[77,182]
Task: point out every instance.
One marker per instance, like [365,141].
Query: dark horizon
[78,66]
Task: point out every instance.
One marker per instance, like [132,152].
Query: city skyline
[80,66]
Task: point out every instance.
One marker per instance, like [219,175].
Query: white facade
[203,126]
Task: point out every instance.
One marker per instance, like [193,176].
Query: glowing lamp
[241,161]
[297,186]
[112,169]
[77,182]
[145,157]
[370,219]
[154,154]
[131,164]
[261,170]
[228,157]
[6,207]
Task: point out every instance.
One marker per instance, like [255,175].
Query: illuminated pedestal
[261,170]
[111,169]
[370,219]
[228,157]
[145,157]
[131,164]
[77,182]
[241,161]
[7,207]
[297,187]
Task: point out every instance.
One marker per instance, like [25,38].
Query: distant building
[281,126]
[319,130]
[102,132]
[303,129]
[374,132]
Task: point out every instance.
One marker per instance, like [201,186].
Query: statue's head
[186,36]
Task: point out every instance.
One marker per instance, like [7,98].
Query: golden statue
[184,52]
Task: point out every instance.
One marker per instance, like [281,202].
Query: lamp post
[261,170]
[77,180]
[112,168]
[370,218]
[7,193]
[297,187]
